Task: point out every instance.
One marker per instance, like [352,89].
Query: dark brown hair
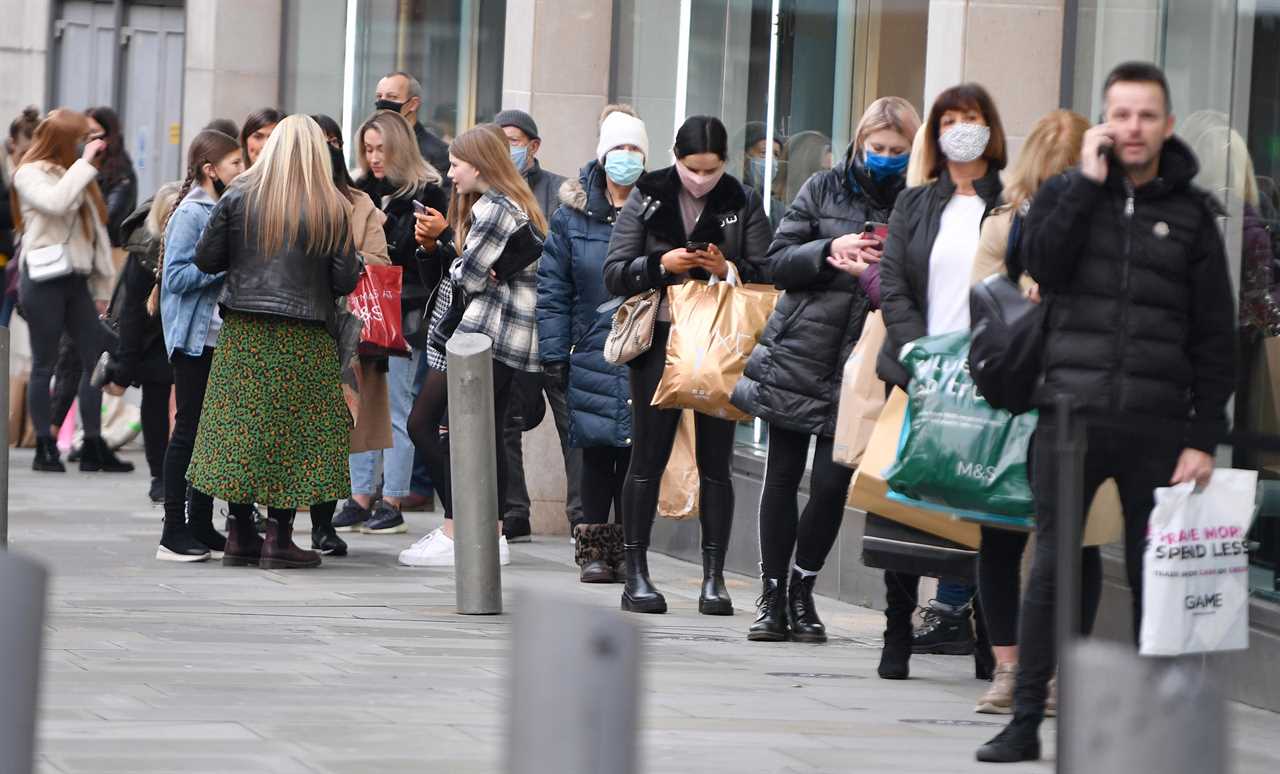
[966,96]
[1139,72]
[25,124]
[256,120]
[114,161]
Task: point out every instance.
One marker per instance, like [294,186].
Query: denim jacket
[188,296]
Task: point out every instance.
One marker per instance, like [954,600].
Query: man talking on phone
[1140,336]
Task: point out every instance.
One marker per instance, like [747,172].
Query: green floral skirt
[275,429]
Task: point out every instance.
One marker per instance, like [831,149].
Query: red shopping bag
[376,303]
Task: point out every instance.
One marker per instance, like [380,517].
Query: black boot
[900,594]
[716,503]
[178,545]
[47,458]
[946,630]
[802,615]
[97,456]
[771,612]
[200,522]
[1019,741]
[639,595]
[324,538]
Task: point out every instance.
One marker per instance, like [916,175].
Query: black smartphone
[697,247]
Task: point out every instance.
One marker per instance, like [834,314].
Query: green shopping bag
[956,450]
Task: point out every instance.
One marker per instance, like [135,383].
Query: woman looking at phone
[399,181]
[792,381]
[689,221]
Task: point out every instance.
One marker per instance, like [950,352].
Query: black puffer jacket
[793,377]
[292,283]
[141,356]
[1141,315]
[904,268]
[650,225]
[401,245]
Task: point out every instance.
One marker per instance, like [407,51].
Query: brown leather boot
[279,551]
[244,547]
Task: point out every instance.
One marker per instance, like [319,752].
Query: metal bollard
[4,437]
[23,585]
[473,463]
[575,693]
[1070,452]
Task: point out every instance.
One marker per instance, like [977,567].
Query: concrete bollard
[575,693]
[4,437]
[1070,449]
[473,464]
[23,585]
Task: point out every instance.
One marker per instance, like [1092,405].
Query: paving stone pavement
[362,665]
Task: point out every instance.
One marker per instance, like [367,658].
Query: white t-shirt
[951,264]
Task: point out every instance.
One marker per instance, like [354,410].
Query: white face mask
[963,143]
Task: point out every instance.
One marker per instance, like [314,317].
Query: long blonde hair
[402,160]
[918,166]
[486,148]
[1052,147]
[290,195]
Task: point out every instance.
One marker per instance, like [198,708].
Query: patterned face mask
[963,143]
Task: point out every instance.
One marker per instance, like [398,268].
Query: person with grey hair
[401,92]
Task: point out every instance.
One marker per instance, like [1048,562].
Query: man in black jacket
[401,92]
[1140,333]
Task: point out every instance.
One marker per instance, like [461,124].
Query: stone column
[233,61]
[24,56]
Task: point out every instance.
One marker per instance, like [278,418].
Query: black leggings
[55,307]
[190,378]
[782,527]
[155,424]
[604,471]
[1000,581]
[653,431]
[430,410]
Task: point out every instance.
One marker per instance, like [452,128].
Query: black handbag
[1006,349]
[523,249]
[888,545]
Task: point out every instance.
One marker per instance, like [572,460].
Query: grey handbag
[632,332]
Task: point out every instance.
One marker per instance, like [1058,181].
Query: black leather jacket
[290,283]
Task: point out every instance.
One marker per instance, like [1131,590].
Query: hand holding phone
[1096,152]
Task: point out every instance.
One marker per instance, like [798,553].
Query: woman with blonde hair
[275,428]
[65,268]
[819,256]
[395,176]
[490,203]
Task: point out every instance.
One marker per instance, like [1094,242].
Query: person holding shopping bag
[792,381]
[690,221]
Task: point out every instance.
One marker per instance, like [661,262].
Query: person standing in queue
[572,333]
[276,429]
[401,93]
[658,240]
[792,380]
[924,279]
[256,131]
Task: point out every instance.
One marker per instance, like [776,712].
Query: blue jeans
[954,594]
[397,462]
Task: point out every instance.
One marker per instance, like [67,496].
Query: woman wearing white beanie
[571,333]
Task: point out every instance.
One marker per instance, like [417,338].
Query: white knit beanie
[621,129]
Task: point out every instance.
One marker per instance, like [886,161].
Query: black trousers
[155,424]
[190,378]
[783,528]
[1139,465]
[653,432]
[431,410]
[604,471]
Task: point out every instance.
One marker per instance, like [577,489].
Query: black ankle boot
[802,615]
[178,545]
[1019,741]
[96,456]
[895,658]
[47,458]
[639,595]
[714,599]
[771,613]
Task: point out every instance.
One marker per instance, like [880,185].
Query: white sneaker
[436,550]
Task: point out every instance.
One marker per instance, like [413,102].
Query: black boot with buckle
[802,615]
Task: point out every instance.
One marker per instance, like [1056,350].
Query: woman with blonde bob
[821,257]
[275,428]
[1052,148]
[490,202]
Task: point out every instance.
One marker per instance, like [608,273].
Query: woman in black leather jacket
[692,201]
[819,256]
[275,428]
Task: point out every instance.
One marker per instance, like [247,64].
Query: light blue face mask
[519,156]
[624,167]
[757,169]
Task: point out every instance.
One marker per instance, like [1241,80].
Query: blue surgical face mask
[624,167]
[757,169]
[519,155]
[882,167]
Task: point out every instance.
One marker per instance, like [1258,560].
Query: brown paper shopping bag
[861,395]
[678,493]
[713,330]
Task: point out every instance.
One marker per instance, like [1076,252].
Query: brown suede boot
[279,551]
[244,547]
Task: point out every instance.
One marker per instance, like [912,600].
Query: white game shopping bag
[1195,596]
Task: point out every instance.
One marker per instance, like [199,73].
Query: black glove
[556,373]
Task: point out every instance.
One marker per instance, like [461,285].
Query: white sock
[803,572]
